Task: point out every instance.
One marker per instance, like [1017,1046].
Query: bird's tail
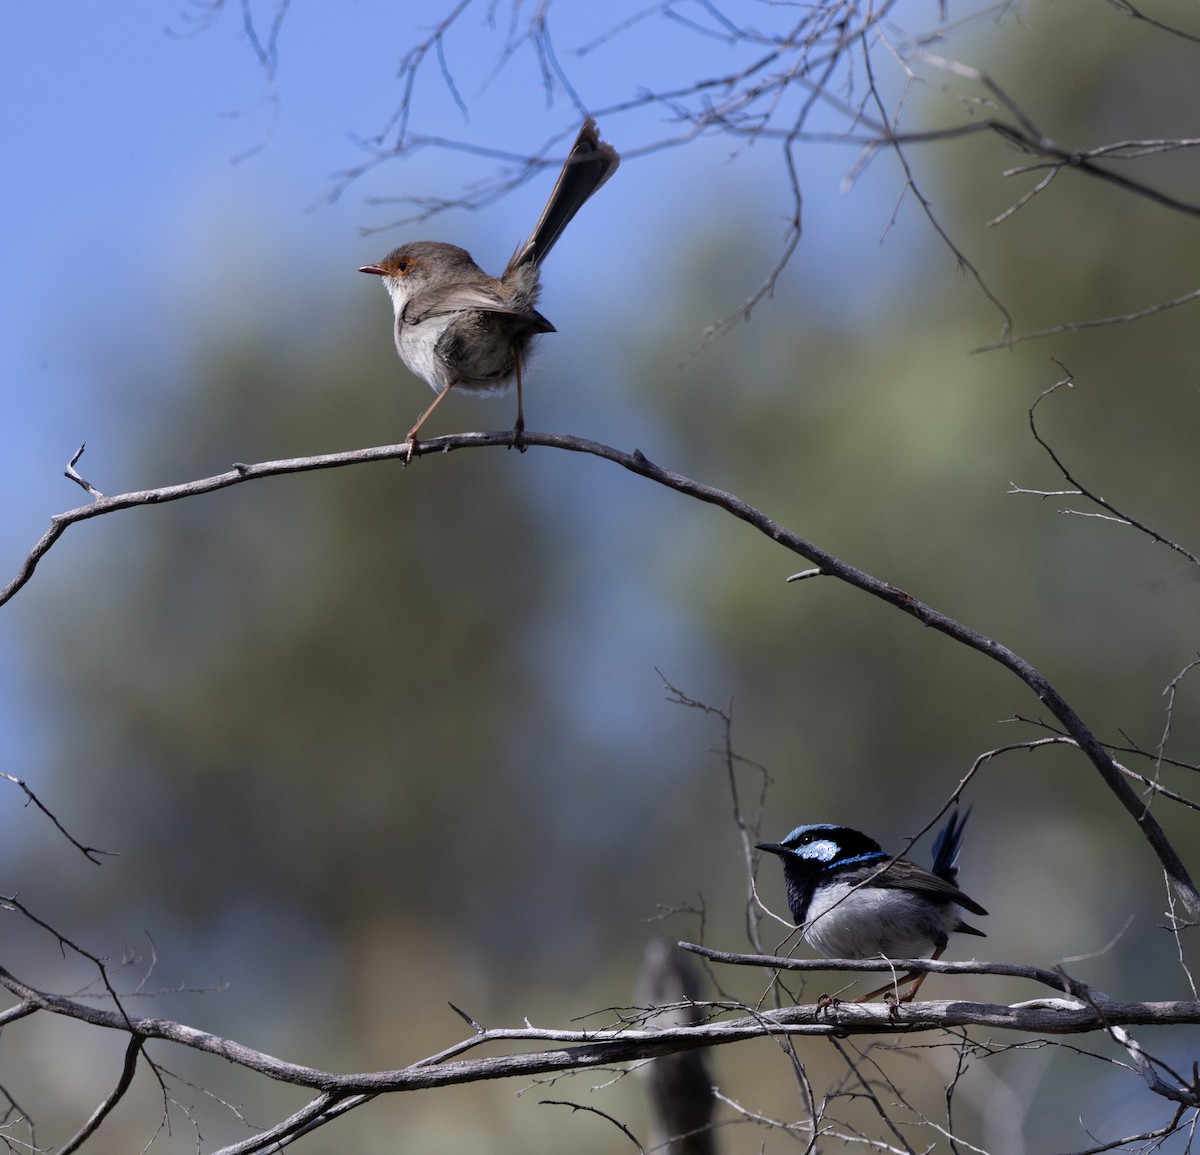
[947,845]
[591,163]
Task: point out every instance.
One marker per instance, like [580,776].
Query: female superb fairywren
[851,900]
[455,326]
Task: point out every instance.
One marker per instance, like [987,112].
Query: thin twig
[91,853]
[596,1111]
[132,1050]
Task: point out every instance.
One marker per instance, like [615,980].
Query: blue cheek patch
[823,850]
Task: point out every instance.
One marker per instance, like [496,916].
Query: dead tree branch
[636,462]
[1079,1009]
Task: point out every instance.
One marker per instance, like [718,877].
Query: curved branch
[574,1050]
[61,522]
[636,462]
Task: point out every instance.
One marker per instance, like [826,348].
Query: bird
[851,900]
[458,328]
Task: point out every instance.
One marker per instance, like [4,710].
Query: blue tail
[947,845]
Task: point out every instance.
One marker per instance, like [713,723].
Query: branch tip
[476,1027]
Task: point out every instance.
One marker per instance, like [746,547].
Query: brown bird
[457,327]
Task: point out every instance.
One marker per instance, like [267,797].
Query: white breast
[417,345]
[873,921]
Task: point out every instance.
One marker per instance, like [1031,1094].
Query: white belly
[873,921]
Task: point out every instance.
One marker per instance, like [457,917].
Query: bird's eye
[402,266]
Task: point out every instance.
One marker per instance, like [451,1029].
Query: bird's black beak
[771,847]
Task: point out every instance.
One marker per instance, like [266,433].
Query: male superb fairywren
[851,900]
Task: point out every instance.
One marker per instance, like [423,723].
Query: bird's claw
[518,436]
[827,1002]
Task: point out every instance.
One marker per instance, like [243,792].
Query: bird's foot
[518,436]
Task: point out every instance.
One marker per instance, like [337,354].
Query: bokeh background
[373,740]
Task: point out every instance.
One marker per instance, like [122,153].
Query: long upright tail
[947,845]
[590,163]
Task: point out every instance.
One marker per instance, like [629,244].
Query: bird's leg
[518,438]
[886,988]
[908,998]
[893,987]
[896,984]
[410,438]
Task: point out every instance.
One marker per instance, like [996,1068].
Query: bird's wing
[464,297]
[905,875]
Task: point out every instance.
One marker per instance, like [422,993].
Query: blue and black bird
[851,900]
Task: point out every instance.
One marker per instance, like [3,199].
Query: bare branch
[1095,323]
[603,1115]
[132,1050]
[91,853]
[1055,979]
[1170,694]
[749,829]
[1137,14]
[324,1109]
[866,1088]
[927,208]
[1148,1140]
[1110,510]
[266,53]
[639,464]
[1148,1069]
[1083,1010]
[72,473]
[1029,138]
